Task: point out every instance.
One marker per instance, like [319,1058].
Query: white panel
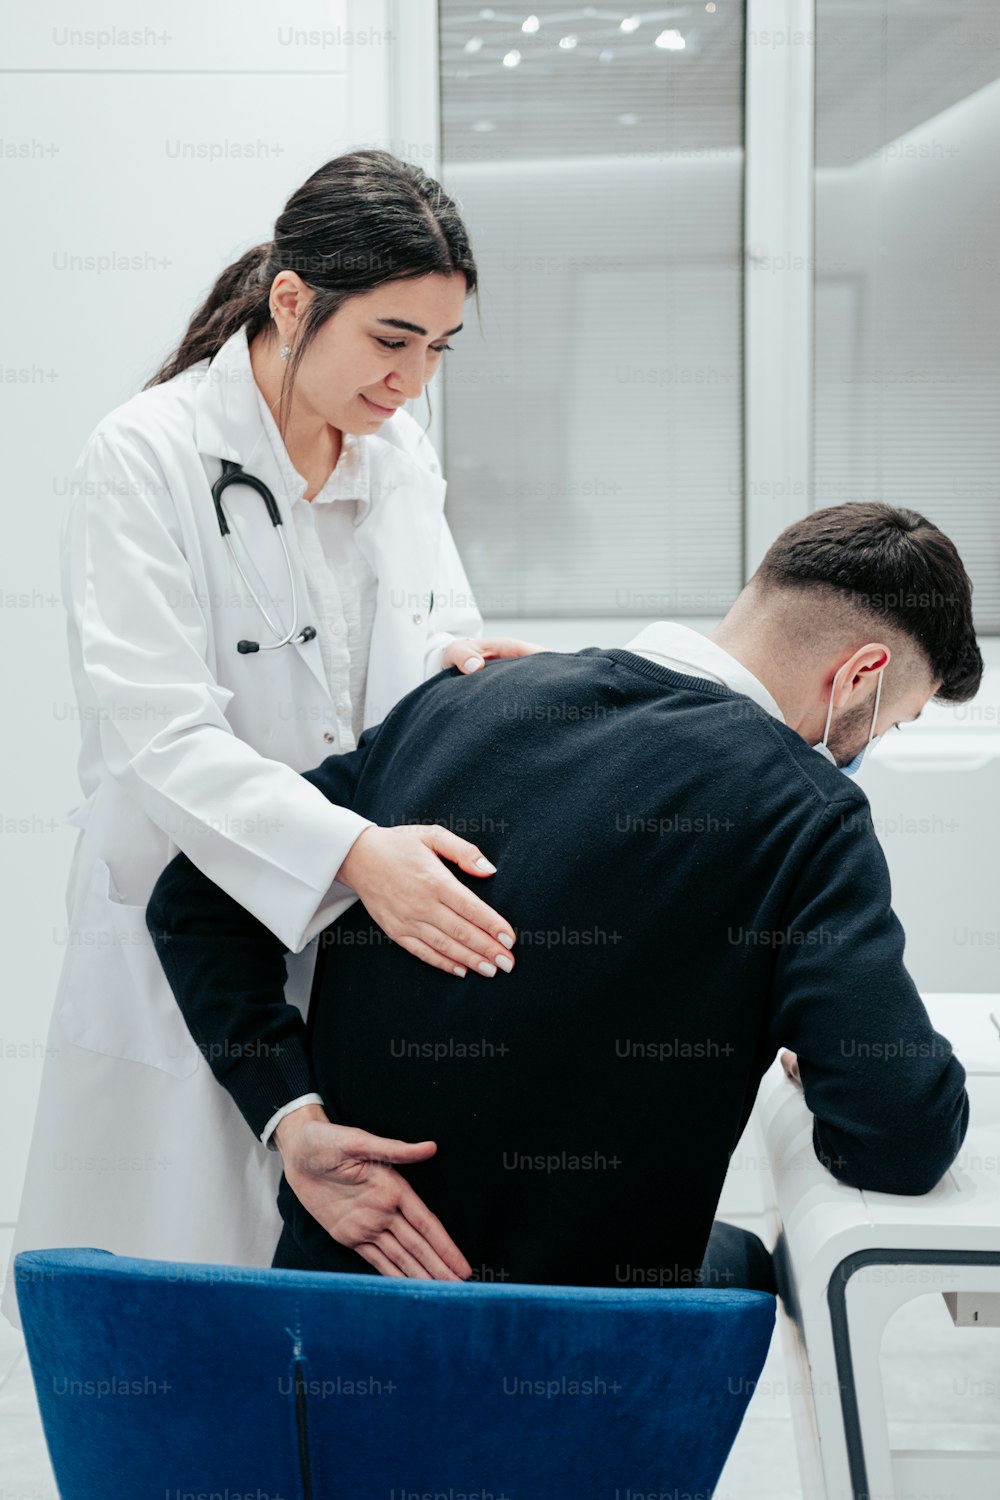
[954,1475]
[226,36]
[119,258]
[778,288]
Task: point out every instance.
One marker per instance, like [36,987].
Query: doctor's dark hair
[362,219]
[894,567]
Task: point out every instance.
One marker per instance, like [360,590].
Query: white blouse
[341,585]
[342,589]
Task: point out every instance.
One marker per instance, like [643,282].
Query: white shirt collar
[350,479]
[685,650]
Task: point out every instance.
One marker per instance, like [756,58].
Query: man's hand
[470,655]
[790,1063]
[343,1177]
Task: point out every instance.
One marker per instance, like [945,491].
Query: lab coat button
[328,736]
[418,619]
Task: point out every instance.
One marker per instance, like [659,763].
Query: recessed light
[670,41]
[530,25]
[631,23]
[511,59]
[568,42]
[473,44]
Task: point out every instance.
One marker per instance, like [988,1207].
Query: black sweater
[692,887]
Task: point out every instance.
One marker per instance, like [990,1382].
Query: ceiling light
[606,56]
[670,41]
[473,44]
[530,25]
[511,59]
[568,42]
[631,23]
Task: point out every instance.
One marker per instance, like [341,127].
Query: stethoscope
[234,473]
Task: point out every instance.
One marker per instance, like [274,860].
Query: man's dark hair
[896,567]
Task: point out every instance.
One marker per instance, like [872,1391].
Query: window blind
[593,424]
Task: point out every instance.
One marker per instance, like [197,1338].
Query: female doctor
[216,655]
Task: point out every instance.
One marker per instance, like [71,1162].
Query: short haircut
[895,567]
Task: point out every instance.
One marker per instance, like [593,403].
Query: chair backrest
[156,1376]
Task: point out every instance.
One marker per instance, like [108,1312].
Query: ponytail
[239,295]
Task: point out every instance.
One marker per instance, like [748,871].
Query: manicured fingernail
[484,864]
[487,969]
[459,971]
[506,939]
[473,664]
[503,962]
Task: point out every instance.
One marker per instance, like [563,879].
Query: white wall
[114,235]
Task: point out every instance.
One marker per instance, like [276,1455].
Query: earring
[286,349]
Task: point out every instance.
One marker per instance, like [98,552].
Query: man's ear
[872,657]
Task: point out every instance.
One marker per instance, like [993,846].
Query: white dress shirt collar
[349,480]
[685,650]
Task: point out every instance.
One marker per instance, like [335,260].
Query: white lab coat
[187,744]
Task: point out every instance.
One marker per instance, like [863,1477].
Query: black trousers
[734,1257]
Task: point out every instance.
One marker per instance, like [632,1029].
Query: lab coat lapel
[400,537]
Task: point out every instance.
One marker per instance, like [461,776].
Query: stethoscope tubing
[234,473]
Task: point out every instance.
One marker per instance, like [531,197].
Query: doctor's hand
[790,1063]
[416,900]
[343,1177]
[470,655]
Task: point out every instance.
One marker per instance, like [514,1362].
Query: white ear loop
[874,717]
[878,695]
[829,711]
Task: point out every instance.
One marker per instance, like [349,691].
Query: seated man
[693,887]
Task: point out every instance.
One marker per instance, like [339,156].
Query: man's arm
[888,1095]
[227,972]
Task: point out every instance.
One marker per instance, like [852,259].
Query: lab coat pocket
[115,997]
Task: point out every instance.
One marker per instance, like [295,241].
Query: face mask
[853,766]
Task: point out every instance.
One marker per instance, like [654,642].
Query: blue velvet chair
[156,1377]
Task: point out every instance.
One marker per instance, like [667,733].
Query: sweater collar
[685,650]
